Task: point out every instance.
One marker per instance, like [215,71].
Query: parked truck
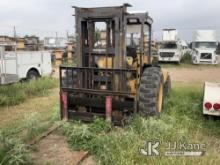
[18,65]
[204,47]
[170,49]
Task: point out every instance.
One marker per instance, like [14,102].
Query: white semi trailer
[18,65]
[211,101]
[204,47]
[170,49]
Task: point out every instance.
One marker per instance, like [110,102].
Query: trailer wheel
[151,92]
[32,75]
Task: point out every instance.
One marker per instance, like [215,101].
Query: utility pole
[56,39]
[14,32]
[67,34]
[15,36]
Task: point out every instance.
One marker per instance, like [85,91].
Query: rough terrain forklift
[117,78]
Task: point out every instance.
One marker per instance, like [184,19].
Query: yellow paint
[129,61]
[165,75]
[160,97]
[57,62]
[132,85]
[104,62]
[58,54]
[69,55]
[20,45]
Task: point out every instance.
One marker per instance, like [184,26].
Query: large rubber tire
[167,86]
[32,75]
[151,92]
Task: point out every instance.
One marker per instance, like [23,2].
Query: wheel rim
[160,98]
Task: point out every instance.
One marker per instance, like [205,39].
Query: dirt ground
[194,74]
[54,150]
[13,115]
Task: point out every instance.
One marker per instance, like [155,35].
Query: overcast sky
[46,17]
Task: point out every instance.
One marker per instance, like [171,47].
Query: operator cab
[138,36]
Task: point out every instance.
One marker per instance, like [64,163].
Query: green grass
[15,136]
[17,93]
[181,120]
[13,151]
[13,148]
[187,58]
